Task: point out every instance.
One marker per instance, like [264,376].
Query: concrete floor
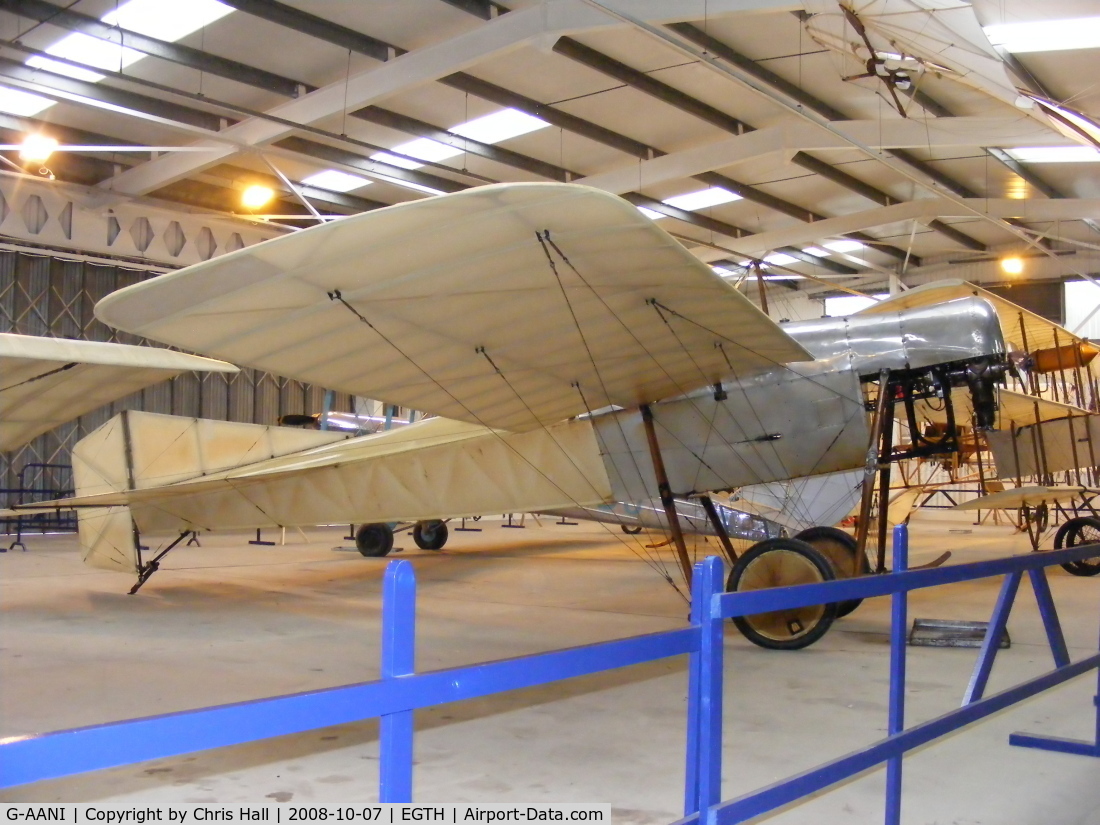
[230,622]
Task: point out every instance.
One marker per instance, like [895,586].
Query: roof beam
[183,55]
[750,67]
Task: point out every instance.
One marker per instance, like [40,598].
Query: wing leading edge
[512,306]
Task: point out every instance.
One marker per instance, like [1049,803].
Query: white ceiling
[647,143]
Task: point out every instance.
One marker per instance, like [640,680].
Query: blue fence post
[992,641]
[395,739]
[691,751]
[899,621]
[1049,614]
[709,574]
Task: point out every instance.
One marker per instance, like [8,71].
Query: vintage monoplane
[574,355]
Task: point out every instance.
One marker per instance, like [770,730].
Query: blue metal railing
[400,691]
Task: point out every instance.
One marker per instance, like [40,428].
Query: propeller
[894,79]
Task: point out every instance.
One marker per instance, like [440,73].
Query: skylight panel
[335,181]
[649,213]
[1055,154]
[88,50]
[702,199]
[817,252]
[170,21]
[1046,35]
[502,125]
[423,148]
[780,259]
[843,246]
[21,103]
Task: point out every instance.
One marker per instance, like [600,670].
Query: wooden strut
[666,492]
[863,524]
[1093,470]
[719,528]
[887,446]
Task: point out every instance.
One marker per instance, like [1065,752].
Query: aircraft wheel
[781,563]
[430,535]
[839,548]
[374,540]
[631,530]
[1075,532]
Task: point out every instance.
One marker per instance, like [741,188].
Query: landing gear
[781,563]
[374,540]
[839,548]
[1075,532]
[430,535]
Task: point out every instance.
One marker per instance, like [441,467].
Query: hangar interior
[811,154]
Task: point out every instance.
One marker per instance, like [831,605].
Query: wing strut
[666,493]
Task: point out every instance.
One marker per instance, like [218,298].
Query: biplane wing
[1013,409]
[45,382]
[512,306]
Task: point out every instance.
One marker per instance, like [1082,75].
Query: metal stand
[566,523]
[194,540]
[520,526]
[465,529]
[257,540]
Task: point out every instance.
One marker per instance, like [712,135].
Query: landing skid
[148,569]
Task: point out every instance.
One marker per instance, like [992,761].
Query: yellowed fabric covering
[162,449]
[1013,408]
[452,307]
[432,469]
[45,382]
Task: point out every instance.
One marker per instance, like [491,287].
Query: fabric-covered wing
[453,305]
[45,382]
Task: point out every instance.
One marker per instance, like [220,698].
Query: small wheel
[631,530]
[430,535]
[374,540]
[839,548]
[1075,532]
[781,563]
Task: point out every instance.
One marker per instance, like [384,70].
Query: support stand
[465,529]
[257,540]
[566,523]
[194,540]
[520,526]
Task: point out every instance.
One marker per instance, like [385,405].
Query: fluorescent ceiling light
[702,199]
[649,213]
[780,259]
[502,125]
[1046,35]
[166,21]
[1055,154]
[507,123]
[850,304]
[153,18]
[817,252]
[721,270]
[784,276]
[335,181]
[25,104]
[843,246]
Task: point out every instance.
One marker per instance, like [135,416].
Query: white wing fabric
[511,306]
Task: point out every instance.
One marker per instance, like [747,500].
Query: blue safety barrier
[401,690]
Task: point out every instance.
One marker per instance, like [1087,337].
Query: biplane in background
[1042,456]
[574,355]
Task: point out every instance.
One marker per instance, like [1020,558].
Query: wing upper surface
[456,306]
[45,382]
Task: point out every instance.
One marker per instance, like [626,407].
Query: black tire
[1075,532]
[779,563]
[430,535]
[631,530]
[839,548]
[374,540]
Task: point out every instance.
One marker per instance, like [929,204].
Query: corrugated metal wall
[54,297]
